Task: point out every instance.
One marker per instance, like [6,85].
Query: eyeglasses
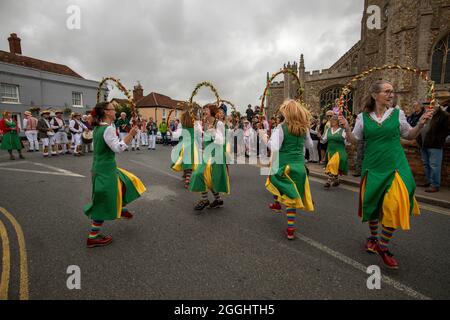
[388,92]
[110,109]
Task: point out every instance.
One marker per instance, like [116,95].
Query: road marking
[66,172]
[159,170]
[56,172]
[349,261]
[421,204]
[6,263]
[43,172]
[23,291]
[12,163]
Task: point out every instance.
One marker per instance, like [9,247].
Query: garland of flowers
[431,94]
[194,93]
[269,82]
[122,88]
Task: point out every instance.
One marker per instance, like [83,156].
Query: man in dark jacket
[419,110]
[432,141]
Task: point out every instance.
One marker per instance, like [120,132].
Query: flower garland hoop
[194,93]
[431,93]
[122,88]
[269,82]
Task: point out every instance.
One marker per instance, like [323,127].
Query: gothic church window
[440,64]
[329,95]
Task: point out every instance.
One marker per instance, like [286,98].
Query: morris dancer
[112,188]
[185,154]
[30,127]
[59,127]
[336,156]
[387,185]
[46,134]
[288,180]
[11,140]
[211,174]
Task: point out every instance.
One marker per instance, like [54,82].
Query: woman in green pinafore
[212,174]
[185,154]
[336,157]
[288,180]
[387,185]
[10,140]
[112,188]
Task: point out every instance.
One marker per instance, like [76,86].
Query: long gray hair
[369,104]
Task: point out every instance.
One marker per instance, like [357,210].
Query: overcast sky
[171,45]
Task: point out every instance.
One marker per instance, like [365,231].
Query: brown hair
[369,104]
[98,113]
[186,120]
[213,109]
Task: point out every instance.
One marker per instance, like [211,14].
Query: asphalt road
[169,251]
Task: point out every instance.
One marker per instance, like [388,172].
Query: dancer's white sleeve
[358,130]
[277,138]
[113,141]
[405,127]
[219,137]
[324,138]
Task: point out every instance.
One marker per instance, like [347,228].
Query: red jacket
[5,129]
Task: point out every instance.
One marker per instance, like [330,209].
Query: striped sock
[373,226]
[386,236]
[95,228]
[216,195]
[291,213]
[204,195]
[187,178]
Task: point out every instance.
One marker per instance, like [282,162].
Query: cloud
[171,45]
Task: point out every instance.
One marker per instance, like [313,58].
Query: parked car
[159,137]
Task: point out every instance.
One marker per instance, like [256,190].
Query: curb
[420,198]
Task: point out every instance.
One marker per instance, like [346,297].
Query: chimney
[14,44]
[138,92]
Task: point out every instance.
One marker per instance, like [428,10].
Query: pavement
[441,198]
[170,251]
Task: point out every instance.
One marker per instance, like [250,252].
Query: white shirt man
[58,125]
[30,127]
[77,128]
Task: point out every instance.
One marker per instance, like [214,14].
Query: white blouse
[219,134]
[112,140]
[405,127]
[277,138]
[324,138]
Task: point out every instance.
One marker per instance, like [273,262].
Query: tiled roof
[157,100]
[37,64]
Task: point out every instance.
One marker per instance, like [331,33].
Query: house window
[329,96]
[77,99]
[9,93]
[440,64]
[163,113]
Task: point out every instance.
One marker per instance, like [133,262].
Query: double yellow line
[6,260]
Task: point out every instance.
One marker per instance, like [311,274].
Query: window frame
[16,86]
[81,99]
[443,45]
